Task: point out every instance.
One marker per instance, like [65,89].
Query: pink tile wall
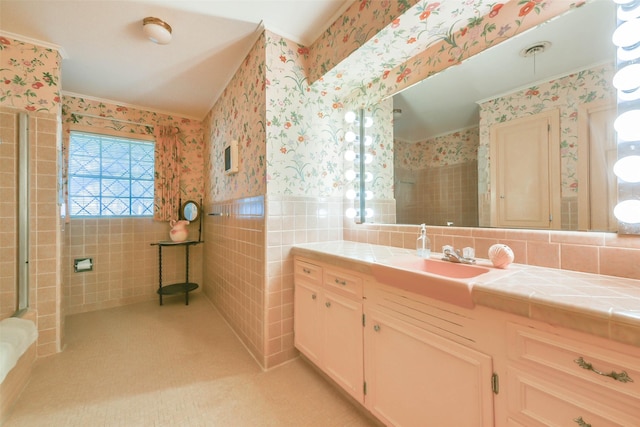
[291,220]
[591,252]
[234,268]
[44,257]
[248,269]
[125,267]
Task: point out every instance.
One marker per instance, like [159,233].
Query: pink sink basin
[442,280]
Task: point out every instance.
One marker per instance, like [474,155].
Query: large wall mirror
[551,83]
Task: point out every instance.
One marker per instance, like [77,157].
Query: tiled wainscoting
[125,265]
[248,268]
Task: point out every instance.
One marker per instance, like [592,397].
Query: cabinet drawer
[310,272]
[341,282]
[604,366]
[540,402]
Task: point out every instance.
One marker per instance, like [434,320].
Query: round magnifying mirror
[190,210]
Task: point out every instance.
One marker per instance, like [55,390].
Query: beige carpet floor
[175,365]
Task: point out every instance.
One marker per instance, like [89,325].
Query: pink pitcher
[179,230]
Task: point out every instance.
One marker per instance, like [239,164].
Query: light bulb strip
[627,82]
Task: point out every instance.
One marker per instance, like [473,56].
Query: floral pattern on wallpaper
[291,135]
[239,115]
[305,127]
[567,94]
[302,127]
[428,38]
[404,37]
[489,23]
[445,150]
[357,25]
[84,112]
[29,76]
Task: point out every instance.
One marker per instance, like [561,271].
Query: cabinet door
[343,346]
[525,171]
[307,321]
[417,378]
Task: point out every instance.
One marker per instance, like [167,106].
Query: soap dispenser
[423,245]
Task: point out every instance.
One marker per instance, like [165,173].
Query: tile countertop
[605,306]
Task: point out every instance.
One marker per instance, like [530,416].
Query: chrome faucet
[453,255]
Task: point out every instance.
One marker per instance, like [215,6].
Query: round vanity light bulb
[630,95]
[627,78]
[628,168]
[350,117]
[349,155]
[368,140]
[368,122]
[350,194]
[629,54]
[627,125]
[627,34]
[368,195]
[350,136]
[368,158]
[351,213]
[350,175]
[628,211]
[368,213]
[368,177]
[629,11]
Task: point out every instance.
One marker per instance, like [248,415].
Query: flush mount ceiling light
[157,30]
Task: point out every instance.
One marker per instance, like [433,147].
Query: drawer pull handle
[341,282]
[328,304]
[306,271]
[581,422]
[623,377]
[313,296]
[376,328]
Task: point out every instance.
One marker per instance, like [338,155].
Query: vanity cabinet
[415,374]
[424,362]
[328,323]
[561,378]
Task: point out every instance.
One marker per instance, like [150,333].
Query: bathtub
[17,353]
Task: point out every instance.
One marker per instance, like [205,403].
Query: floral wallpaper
[239,114]
[29,76]
[357,26]
[303,128]
[428,38]
[451,149]
[90,113]
[567,94]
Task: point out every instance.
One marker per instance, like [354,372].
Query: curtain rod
[111,119]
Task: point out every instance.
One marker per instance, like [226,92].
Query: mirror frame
[185,205]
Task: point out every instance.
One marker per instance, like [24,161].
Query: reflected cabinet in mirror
[517,136]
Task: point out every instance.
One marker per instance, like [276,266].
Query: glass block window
[110,176]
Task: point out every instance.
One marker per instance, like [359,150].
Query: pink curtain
[167,174]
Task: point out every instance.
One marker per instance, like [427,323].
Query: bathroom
[279,198]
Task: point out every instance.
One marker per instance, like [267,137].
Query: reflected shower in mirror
[445,131]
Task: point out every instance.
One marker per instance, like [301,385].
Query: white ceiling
[447,101]
[106,55]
